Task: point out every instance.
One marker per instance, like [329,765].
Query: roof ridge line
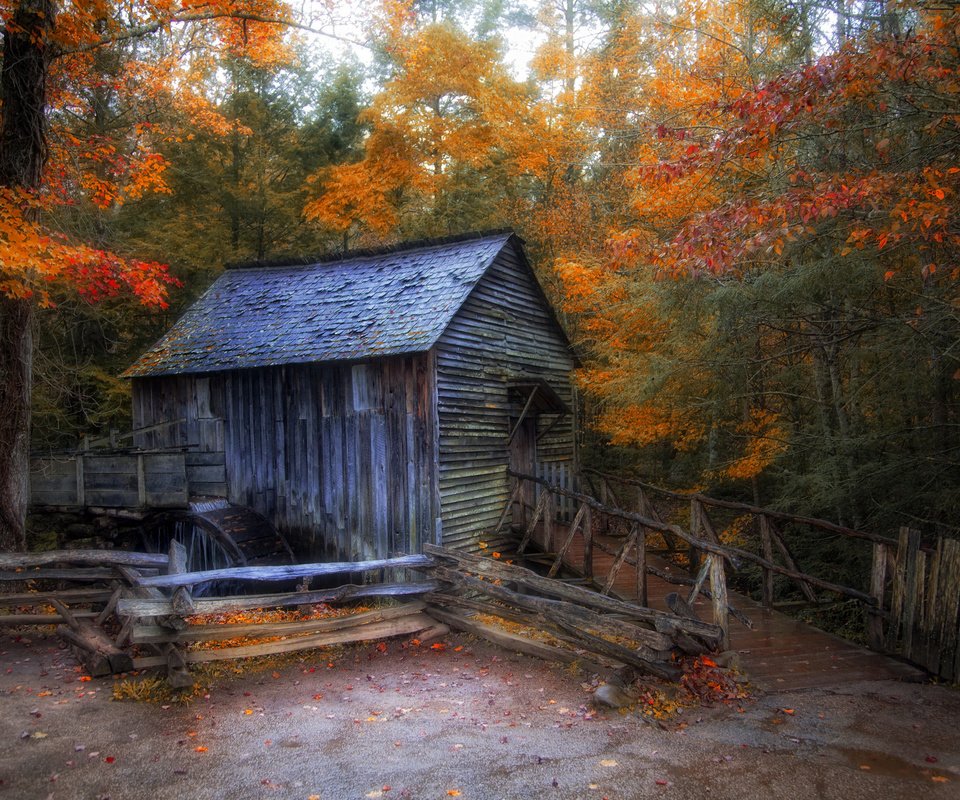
[369,252]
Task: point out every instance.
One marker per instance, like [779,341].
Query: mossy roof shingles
[387,303]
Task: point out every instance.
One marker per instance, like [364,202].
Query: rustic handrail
[730,554]
[652,524]
[783,516]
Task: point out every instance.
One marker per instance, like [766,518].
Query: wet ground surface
[475,722]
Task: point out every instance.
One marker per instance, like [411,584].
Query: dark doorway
[523,458]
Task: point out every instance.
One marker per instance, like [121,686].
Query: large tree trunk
[16,360]
[23,151]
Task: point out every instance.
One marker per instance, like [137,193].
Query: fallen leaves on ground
[708,683]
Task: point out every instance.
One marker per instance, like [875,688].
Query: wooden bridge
[910,606]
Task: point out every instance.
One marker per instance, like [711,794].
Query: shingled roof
[384,303]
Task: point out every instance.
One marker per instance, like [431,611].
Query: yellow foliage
[765,440]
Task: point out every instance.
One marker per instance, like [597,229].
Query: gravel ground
[469,721]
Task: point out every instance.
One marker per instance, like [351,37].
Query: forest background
[746,211]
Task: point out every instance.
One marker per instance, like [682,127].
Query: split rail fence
[142,613]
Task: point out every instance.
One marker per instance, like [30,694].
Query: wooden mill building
[370,404]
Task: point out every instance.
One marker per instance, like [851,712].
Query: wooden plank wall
[504,331]
[924,624]
[338,456]
[118,480]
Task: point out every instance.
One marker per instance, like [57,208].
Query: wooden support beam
[701,577]
[910,590]
[790,563]
[695,527]
[549,517]
[537,513]
[523,414]
[571,533]
[766,545]
[628,545]
[506,509]
[178,673]
[111,606]
[896,593]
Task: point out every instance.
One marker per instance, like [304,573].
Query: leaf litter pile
[155,689]
[704,683]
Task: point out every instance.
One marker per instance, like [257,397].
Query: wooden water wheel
[217,534]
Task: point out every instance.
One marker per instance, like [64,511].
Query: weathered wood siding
[504,332]
[340,457]
[114,480]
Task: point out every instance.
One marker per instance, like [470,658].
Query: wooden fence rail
[635,542]
[912,605]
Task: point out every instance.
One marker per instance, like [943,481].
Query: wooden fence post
[178,674]
[81,483]
[642,566]
[695,532]
[910,591]
[878,580]
[588,544]
[766,542]
[718,588]
[182,600]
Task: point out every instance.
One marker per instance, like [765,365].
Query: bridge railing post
[695,531]
[878,580]
[766,543]
[718,591]
[587,532]
[642,566]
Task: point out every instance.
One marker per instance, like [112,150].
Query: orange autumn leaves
[112,75]
[443,111]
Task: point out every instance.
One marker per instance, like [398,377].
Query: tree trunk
[23,152]
[16,362]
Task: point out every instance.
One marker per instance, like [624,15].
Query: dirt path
[475,723]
